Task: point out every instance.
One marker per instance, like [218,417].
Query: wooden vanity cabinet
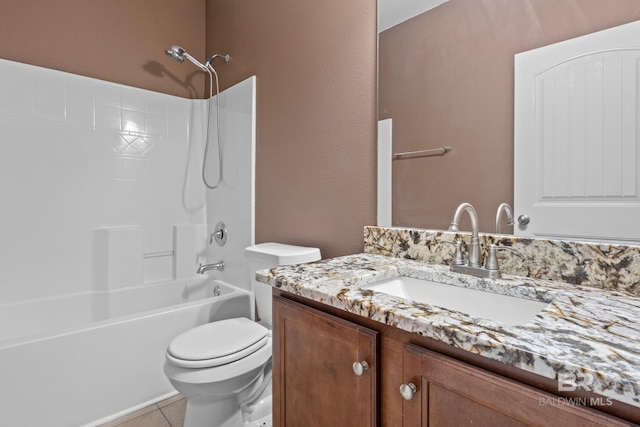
[315,347]
[453,393]
[315,382]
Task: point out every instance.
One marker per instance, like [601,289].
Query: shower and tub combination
[76,349]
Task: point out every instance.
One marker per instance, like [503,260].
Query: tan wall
[315,64]
[122,41]
[446,78]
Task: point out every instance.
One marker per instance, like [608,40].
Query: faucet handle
[458,257]
[492,259]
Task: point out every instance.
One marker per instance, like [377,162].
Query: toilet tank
[270,255]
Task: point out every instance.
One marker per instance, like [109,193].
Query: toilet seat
[217,343]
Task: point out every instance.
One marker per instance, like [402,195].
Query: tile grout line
[145,411]
[164,416]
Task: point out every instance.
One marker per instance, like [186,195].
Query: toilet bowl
[223,368]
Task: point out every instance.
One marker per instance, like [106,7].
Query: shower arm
[209,60]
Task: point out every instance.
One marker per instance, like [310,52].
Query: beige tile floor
[166,413]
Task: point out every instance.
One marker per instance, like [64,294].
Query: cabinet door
[453,393]
[314,381]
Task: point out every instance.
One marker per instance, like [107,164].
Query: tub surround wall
[233,203]
[101,183]
[606,266]
[118,258]
[188,244]
[81,155]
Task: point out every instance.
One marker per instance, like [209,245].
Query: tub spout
[215,266]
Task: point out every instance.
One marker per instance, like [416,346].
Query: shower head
[178,54]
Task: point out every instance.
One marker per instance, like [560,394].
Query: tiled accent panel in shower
[607,266]
[80,154]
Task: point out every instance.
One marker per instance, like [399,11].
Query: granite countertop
[586,333]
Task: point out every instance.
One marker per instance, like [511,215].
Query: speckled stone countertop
[584,331]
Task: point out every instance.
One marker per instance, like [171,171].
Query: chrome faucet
[474,246]
[474,266]
[504,207]
[215,266]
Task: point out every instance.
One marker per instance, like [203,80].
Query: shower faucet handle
[219,234]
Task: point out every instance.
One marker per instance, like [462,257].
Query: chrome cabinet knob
[408,390]
[524,219]
[360,367]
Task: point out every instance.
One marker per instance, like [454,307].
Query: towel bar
[440,151]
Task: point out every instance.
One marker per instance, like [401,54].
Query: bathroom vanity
[349,353]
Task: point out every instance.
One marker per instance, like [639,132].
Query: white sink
[486,305]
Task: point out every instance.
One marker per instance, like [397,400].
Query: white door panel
[577,150]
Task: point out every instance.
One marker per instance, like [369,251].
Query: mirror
[446,79]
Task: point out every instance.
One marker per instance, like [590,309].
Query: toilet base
[226,413]
[261,413]
[265,421]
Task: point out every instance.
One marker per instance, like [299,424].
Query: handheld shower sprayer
[178,54]
[175,53]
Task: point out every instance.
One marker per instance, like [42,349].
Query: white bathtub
[88,358]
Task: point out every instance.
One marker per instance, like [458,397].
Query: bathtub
[84,359]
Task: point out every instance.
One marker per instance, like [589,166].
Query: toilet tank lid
[281,254]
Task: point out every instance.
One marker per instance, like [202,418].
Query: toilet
[223,368]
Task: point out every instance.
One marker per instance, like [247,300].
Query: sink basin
[483,304]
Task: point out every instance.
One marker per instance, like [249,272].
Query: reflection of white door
[577,137]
